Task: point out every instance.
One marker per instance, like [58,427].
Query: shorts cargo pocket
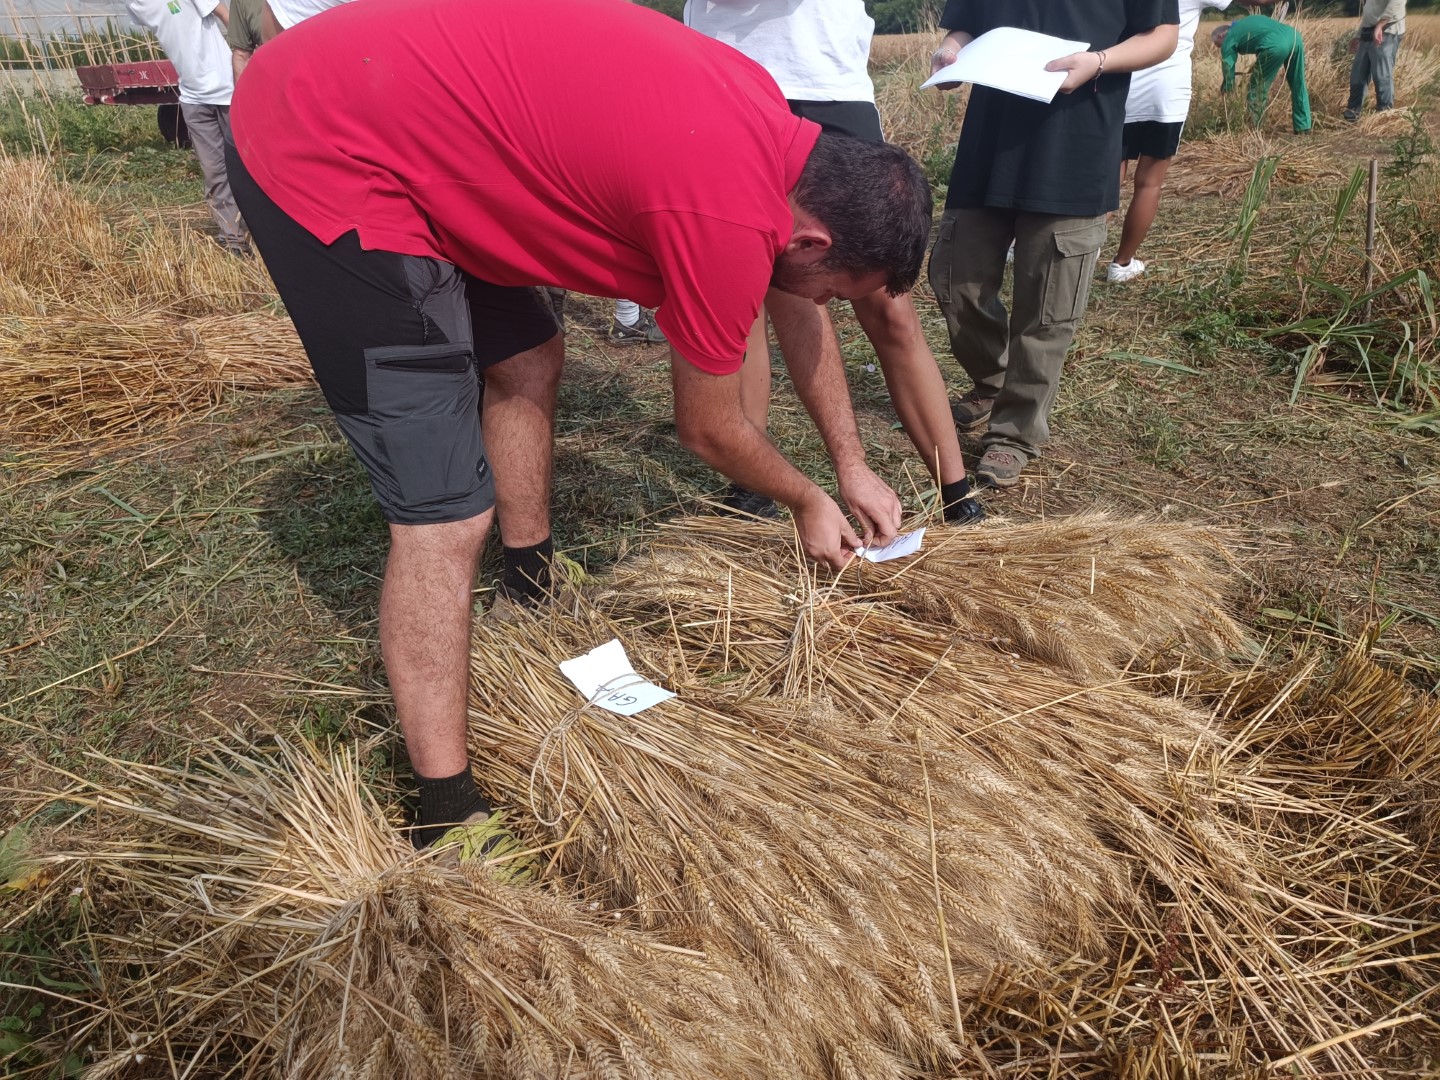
[425,411]
[940,271]
[1072,265]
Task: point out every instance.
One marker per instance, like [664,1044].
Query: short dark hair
[875,201]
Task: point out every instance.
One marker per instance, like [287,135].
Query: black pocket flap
[453,357]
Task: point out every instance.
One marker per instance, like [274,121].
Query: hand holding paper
[1014,60]
[901,546]
[1078,68]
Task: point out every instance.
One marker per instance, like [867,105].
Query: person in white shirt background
[192,34]
[1155,115]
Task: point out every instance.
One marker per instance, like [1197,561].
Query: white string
[554,741]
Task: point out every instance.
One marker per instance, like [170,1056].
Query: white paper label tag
[903,545]
[606,678]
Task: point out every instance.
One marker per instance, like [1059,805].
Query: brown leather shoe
[1000,467]
[972,412]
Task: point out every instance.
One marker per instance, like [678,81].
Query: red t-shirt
[590,144]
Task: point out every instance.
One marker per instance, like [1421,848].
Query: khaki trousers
[1016,356]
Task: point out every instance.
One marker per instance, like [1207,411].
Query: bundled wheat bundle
[118,327]
[1006,816]
[61,254]
[855,844]
[1223,164]
[261,917]
[78,378]
[1086,594]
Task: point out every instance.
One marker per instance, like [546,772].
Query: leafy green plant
[1257,192]
[1391,356]
[36,123]
[1412,151]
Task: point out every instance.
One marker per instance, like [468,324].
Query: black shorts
[398,344]
[1152,139]
[858,118]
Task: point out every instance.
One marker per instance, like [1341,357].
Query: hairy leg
[425,636]
[519,426]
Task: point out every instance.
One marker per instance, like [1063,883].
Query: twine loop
[554,742]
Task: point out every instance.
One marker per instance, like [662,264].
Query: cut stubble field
[188,558]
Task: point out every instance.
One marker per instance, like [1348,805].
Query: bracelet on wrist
[1095,85]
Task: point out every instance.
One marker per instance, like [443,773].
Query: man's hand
[825,534]
[1379,34]
[875,506]
[1081,68]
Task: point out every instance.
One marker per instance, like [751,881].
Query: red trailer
[140,82]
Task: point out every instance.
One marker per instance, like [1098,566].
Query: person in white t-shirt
[1155,115]
[192,34]
[818,52]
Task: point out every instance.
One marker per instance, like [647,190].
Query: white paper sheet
[606,678]
[903,545]
[1012,60]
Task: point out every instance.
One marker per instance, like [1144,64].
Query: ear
[809,241]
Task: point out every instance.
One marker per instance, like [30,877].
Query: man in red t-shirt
[412,169]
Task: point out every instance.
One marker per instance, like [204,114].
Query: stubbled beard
[797,279]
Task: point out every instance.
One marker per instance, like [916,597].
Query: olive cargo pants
[1017,357]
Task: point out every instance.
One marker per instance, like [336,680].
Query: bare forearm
[1143,50]
[712,425]
[746,456]
[812,356]
[238,59]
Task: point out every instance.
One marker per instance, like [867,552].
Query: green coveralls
[1275,46]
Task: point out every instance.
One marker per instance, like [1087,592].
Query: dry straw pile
[944,817]
[114,327]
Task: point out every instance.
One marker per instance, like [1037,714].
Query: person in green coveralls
[1275,46]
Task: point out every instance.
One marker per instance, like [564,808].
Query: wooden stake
[1370,231]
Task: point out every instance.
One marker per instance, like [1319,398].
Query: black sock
[445,801]
[957,505]
[526,579]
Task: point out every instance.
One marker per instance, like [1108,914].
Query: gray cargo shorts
[399,345]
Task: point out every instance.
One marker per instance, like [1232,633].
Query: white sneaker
[1133,269]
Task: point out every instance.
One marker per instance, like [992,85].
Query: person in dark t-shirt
[1043,176]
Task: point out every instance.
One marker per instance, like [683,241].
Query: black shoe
[739,500]
[962,508]
[644,332]
[965,512]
